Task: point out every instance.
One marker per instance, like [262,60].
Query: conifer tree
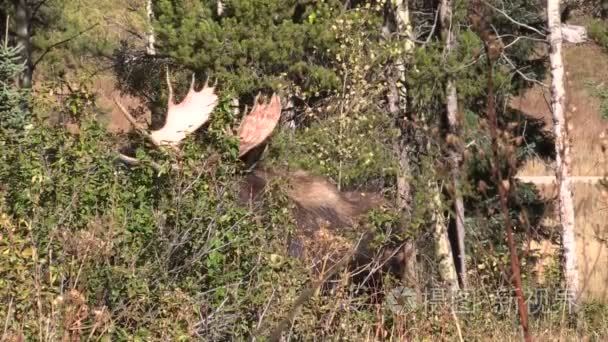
[14,111]
[254,44]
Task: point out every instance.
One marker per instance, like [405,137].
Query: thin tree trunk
[151,38]
[220,8]
[454,133]
[479,18]
[23,37]
[443,251]
[397,21]
[397,103]
[562,155]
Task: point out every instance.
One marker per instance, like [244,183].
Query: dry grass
[591,205]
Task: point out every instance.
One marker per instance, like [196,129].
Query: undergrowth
[598,31]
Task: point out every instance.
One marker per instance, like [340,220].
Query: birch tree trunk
[455,154]
[151,38]
[397,13]
[219,8]
[447,271]
[562,155]
[23,37]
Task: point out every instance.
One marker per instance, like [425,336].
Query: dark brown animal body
[318,202]
[324,215]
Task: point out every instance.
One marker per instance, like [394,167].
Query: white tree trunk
[151,39]
[397,103]
[447,271]
[220,8]
[455,155]
[562,156]
[398,100]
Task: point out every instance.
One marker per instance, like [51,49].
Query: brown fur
[318,202]
[323,214]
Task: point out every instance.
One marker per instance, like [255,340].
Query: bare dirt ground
[105,87]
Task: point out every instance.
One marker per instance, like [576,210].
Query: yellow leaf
[28,252]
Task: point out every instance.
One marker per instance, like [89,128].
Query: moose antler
[259,124]
[187,116]
[182,118]
[194,111]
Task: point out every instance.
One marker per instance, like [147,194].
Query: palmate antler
[194,111]
[187,116]
[259,124]
[183,118]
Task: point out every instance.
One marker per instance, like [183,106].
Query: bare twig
[37,8]
[513,20]
[134,122]
[8,315]
[266,308]
[518,38]
[135,162]
[432,33]
[521,74]
[457,323]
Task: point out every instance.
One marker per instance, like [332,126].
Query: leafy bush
[598,31]
[601,92]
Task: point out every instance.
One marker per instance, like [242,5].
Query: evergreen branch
[47,50]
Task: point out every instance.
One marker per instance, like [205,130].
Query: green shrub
[598,31]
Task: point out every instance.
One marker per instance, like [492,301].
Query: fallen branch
[136,162]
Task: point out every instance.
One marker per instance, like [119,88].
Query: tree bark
[397,21]
[443,251]
[453,142]
[23,40]
[219,8]
[562,155]
[151,38]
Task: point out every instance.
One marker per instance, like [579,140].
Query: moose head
[319,205]
[187,116]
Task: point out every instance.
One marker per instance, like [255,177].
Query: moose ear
[187,116]
[258,125]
